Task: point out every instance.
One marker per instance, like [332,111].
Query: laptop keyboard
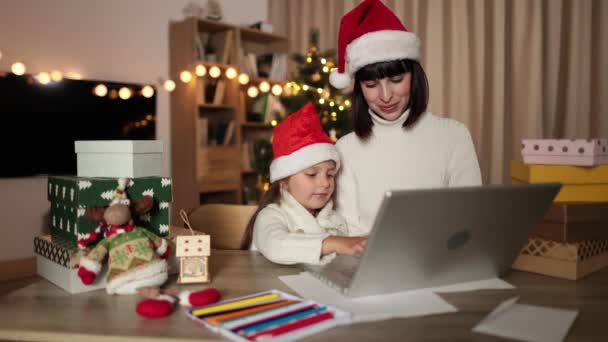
[338,274]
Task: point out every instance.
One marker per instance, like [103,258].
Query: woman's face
[388,97]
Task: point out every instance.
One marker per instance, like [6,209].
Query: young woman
[396,143]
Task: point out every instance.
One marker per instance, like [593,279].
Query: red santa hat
[371,33]
[299,142]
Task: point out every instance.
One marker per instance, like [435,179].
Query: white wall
[114,40]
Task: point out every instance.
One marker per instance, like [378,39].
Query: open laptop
[426,238]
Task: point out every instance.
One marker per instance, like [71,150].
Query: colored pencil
[236,304]
[267,316]
[287,328]
[217,319]
[281,321]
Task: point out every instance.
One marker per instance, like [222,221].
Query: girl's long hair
[272,195]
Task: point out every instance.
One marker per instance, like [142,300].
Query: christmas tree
[311,83]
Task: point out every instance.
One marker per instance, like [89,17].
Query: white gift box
[119,158]
[579,152]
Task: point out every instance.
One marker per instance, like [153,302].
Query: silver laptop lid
[424,238]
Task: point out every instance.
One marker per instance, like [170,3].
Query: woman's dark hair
[272,195]
[419,92]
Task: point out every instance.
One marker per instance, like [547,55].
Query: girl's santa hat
[371,33]
[299,142]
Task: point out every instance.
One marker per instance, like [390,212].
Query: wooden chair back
[226,223]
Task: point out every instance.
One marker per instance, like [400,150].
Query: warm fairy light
[215,72]
[18,68]
[264,86]
[273,123]
[101,90]
[323,61]
[287,90]
[266,186]
[200,70]
[124,93]
[185,76]
[341,107]
[149,117]
[333,114]
[276,90]
[56,75]
[252,91]
[231,73]
[325,69]
[321,101]
[305,87]
[308,60]
[144,122]
[332,103]
[319,91]
[147,91]
[347,103]
[243,79]
[43,77]
[169,85]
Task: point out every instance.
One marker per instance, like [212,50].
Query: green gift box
[71,196]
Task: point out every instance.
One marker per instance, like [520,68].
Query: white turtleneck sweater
[436,152]
[287,233]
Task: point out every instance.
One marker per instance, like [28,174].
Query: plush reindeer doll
[136,257]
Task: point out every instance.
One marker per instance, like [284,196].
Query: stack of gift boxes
[572,240]
[99,165]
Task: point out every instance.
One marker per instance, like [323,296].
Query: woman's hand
[344,245]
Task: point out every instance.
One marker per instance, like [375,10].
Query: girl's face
[388,97]
[312,187]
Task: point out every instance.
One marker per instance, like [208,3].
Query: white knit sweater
[287,233]
[436,152]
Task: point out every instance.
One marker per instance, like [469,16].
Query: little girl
[295,221]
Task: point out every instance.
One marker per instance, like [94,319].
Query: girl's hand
[344,245]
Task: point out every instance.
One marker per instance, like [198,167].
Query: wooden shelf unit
[213,173]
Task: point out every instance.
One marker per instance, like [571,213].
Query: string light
[308,59]
[320,91]
[264,86]
[215,72]
[325,69]
[341,107]
[321,101]
[277,90]
[323,61]
[305,87]
[147,91]
[231,73]
[347,103]
[252,92]
[169,85]
[273,123]
[100,90]
[43,77]
[243,79]
[200,70]
[185,76]
[332,103]
[56,75]
[124,93]
[18,68]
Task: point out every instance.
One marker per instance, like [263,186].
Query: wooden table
[42,311]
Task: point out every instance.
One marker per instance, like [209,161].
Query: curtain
[508,69]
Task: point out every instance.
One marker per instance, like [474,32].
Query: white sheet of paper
[486,284]
[372,308]
[527,322]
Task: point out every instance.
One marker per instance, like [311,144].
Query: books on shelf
[215,47]
[271,65]
[267,108]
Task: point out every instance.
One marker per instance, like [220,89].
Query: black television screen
[41,122]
